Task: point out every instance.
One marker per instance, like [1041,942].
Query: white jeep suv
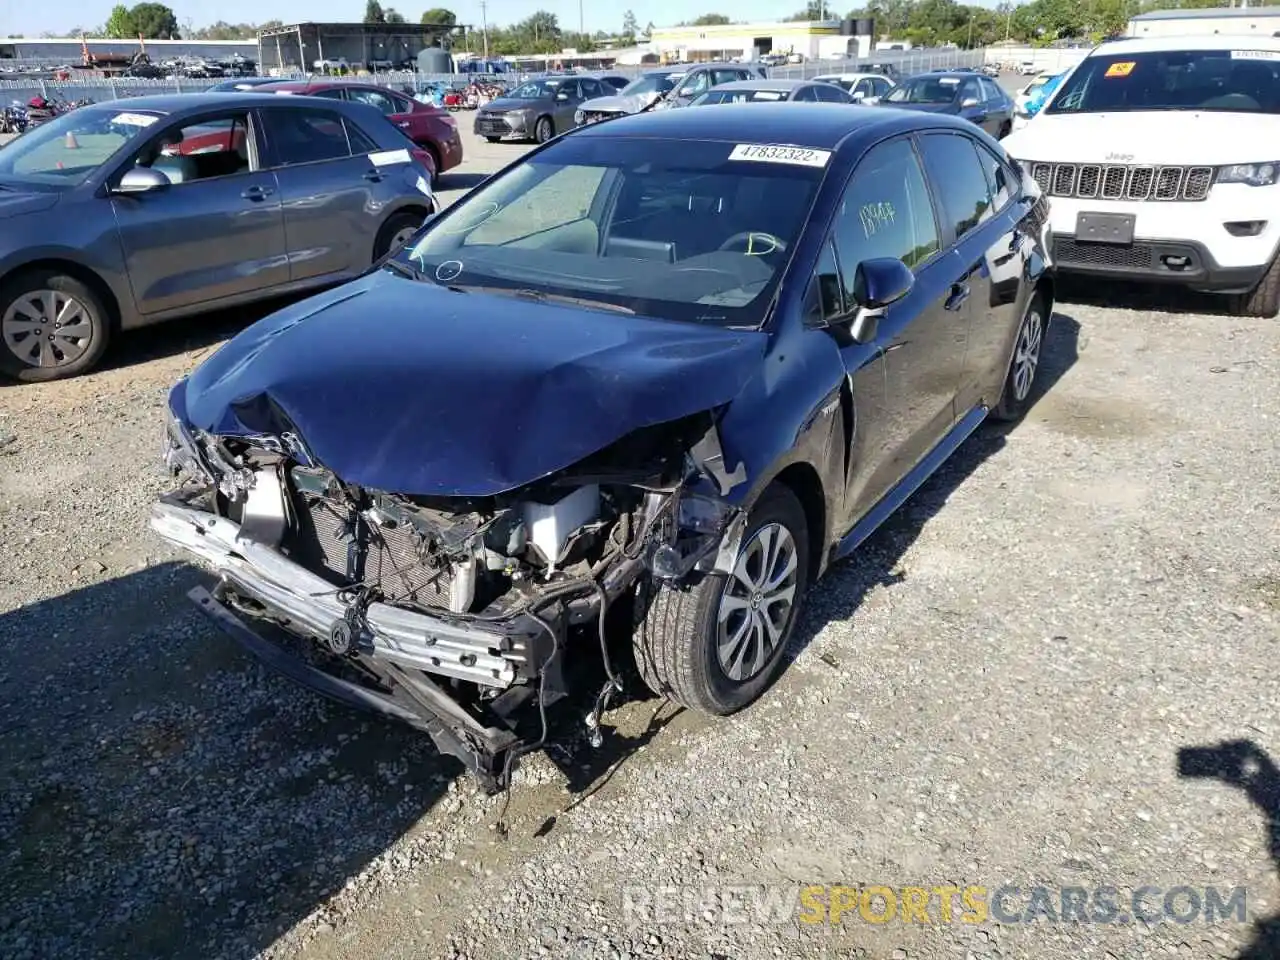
[1162,161]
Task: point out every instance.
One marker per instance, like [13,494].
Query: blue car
[958,93]
[661,373]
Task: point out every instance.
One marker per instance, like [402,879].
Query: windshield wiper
[539,297]
[405,269]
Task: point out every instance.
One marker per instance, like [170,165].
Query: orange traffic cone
[71,142]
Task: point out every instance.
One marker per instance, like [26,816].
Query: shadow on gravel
[164,796]
[462,181]
[191,333]
[1139,296]
[1246,766]
[875,563]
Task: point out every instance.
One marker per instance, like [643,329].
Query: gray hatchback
[125,214]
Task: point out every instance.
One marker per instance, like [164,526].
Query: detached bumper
[483,750]
[493,654]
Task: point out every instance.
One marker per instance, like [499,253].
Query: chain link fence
[104,89]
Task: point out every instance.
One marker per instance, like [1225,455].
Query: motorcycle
[14,119]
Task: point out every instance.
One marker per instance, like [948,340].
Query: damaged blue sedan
[655,367]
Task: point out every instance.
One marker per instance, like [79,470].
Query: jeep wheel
[1264,299]
[717,646]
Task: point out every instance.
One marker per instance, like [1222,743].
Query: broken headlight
[701,523]
[180,452]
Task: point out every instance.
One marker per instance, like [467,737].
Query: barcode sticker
[134,119]
[796,156]
[386,158]
[1255,54]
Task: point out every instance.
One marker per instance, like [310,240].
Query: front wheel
[717,646]
[51,326]
[1264,299]
[544,130]
[395,233]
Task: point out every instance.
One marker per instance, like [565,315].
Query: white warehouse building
[812,40]
[1229,21]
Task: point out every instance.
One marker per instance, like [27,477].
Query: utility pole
[484,26]
[582,24]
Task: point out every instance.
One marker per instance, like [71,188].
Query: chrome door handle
[959,294]
[257,193]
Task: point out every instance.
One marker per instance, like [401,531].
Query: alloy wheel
[1026,355]
[47,328]
[757,603]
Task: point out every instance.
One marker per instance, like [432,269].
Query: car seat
[176,167]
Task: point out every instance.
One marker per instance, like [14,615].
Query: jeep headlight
[1252,174]
[579,117]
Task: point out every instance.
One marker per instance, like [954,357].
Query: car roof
[850,76]
[946,73]
[180,104]
[324,83]
[1195,41]
[822,126]
[781,85]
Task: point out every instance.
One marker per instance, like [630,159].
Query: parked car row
[540,109]
[118,215]
[655,377]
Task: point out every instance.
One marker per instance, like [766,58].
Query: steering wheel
[757,243]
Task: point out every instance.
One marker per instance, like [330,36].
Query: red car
[431,128]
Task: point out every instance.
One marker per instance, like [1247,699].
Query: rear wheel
[1264,299]
[544,130]
[395,233]
[51,326]
[717,646]
[1027,349]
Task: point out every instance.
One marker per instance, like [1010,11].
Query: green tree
[439,16]
[392,15]
[629,25]
[373,12]
[119,24]
[154,21]
[711,20]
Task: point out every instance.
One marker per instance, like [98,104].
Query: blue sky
[32,19]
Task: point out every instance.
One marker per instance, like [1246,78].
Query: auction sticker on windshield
[134,119]
[796,156]
[1121,68]
[1255,54]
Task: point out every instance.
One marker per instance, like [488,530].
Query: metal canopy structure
[302,44]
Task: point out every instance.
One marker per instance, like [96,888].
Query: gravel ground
[994,691]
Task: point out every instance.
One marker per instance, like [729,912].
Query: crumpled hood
[618,104]
[14,203]
[1184,137]
[410,388]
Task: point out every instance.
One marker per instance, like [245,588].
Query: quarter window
[952,162]
[885,212]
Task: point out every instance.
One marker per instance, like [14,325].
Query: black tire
[493,139]
[676,641]
[1264,299]
[98,320]
[543,130]
[395,224]
[1016,395]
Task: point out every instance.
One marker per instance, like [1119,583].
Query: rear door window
[805,95]
[958,178]
[298,135]
[375,98]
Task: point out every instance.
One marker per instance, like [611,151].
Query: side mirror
[138,180]
[562,96]
[968,102]
[877,283]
